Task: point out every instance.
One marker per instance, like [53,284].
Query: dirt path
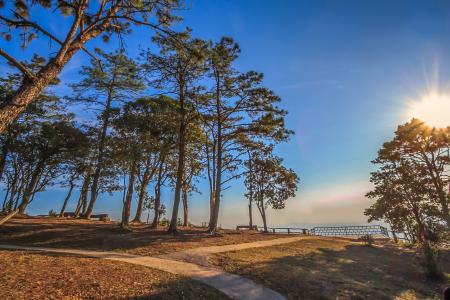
[191,263]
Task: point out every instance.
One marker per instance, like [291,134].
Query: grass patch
[327,268]
[97,235]
[26,275]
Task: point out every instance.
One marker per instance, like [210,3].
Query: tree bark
[8,190]
[7,205]
[14,200]
[250,196]
[185,209]
[66,200]
[127,204]
[158,195]
[218,183]
[30,188]
[180,169]
[264,218]
[145,181]
[211,180]
[3,155]
[83,195]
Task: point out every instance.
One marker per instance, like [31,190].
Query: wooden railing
[286,230]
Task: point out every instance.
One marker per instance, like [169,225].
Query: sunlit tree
[88,20]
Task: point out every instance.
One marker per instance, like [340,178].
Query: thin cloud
[308,84]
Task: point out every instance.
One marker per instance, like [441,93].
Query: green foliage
[268,182]
[211,116]
[410,187]
[273,183]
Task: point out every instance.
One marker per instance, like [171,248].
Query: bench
[239,227]
[101,217]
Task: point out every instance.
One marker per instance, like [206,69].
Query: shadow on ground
[98,235]
[332,269]
[31,275]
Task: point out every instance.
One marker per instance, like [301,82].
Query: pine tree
[106,85]
[110,17]
[237,112]
[177,70]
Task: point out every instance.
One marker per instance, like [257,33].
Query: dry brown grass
[26,275]
[96,235]
[327,268]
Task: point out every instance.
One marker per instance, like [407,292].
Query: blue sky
[344,71]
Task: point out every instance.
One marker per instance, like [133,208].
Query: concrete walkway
[191,263]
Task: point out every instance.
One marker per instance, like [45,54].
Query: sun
[433,109]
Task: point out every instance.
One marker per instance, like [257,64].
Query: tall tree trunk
[15,200]
[8,190]
[250,215]
[179,182]
[30,188]
[13,187]
[180,169]
[66,200]
[127,204]
[145,181]
[185,208]
[264,218]
[250,196]
[155,221]
[100,158]
[211,177]
[84,204]
[158,194]
[3,155]
[83,194]
[218,183]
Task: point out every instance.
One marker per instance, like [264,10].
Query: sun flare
[433,109]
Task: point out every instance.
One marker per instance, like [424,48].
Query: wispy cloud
[315,83]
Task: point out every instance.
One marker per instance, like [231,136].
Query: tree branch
[28,23]
[18,65]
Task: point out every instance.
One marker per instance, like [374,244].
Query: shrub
[52,213]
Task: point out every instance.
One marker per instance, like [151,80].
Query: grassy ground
[96,235]
[26,275]
[326,268]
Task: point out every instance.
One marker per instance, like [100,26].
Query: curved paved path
[191,263]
